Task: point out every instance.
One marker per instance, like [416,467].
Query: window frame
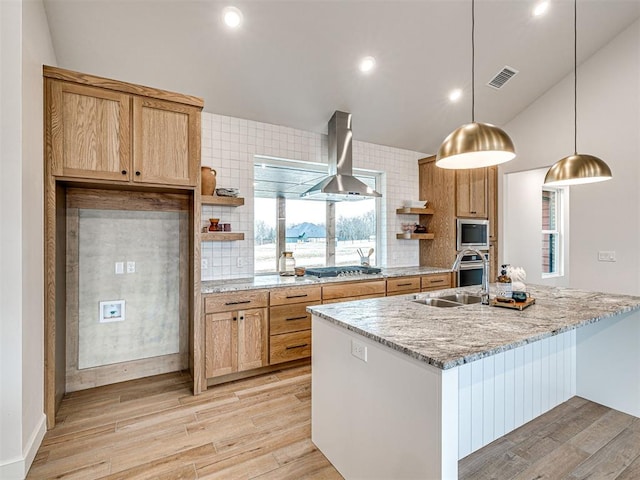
[331,232]
[558,232]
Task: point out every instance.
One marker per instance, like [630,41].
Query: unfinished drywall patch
[146,245]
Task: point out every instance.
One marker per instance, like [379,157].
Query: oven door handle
[470,265]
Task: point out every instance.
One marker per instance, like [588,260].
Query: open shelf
[415,211]
[221,236]
[224,201]
[416,236]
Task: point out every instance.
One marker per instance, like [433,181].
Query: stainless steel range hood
[340,185]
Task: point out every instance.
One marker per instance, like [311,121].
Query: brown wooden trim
[125,200]
[257,371]
[110,84]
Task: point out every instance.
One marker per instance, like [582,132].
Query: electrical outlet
[204,264]
[119,268]
[239,262]
[131,267]
[359,350]
[606,256]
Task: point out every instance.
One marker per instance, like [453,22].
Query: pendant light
[475,145]
[579,167]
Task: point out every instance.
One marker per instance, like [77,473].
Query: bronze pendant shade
[475,145]
[579,167]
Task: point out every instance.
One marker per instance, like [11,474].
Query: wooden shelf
[224,201]
[416,236]
[415,211]
[221,236]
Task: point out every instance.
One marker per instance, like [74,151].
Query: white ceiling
[294,63]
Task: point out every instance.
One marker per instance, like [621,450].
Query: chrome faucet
[484,293]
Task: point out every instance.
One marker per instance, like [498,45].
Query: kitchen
[604,217]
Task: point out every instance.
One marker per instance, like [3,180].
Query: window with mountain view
[319,233]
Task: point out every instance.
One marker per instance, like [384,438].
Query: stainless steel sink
[454,300]
[464,298]
[438,302]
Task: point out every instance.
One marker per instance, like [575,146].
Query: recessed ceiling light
[232,17]
[367,64]
[455,95]
[541,8]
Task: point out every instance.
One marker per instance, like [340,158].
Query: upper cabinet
[100,129]
[471,193]
[90,132]
[164,136]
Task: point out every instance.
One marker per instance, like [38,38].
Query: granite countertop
[447,337]
[273,281]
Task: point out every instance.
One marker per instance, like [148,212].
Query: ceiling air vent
[502,77]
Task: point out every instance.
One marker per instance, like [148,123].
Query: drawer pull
[298,296]
[404,285]
[436,281]
[297,346]
[296,318]
[238,303]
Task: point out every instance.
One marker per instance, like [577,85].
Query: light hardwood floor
[260,428]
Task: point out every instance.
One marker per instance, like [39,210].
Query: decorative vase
[208,180]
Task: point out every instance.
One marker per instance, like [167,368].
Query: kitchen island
[404,390]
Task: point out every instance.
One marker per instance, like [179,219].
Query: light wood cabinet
[403,285]
[236,328]
[455,193]
[436,281]
[164,136]
[90,132]
[290,323]
[105,134]
[352,291]
[471,193]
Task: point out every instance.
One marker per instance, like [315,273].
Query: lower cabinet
[436,281]
[290,323]
[235,340]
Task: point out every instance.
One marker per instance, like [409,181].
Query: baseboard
[17,469]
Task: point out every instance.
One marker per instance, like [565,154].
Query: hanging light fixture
[579,167]
[475,145]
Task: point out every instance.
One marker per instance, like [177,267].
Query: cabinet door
[221,337]
[471,193]
[90,132]
[252,339]
[166,142]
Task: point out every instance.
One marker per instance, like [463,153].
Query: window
[551,232]
[319,233]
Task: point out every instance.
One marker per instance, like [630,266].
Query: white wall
[25,46]
[522,236]
[604,216]
[229,145]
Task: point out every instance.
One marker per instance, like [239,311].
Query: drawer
[355,289]
[289,318]
[350,299]
[397,286]
[288,295]
[289,346]
[226,302]
[436,281]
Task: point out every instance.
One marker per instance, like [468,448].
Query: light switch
[119,268]
[606,256]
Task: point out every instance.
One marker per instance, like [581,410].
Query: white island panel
[382,418]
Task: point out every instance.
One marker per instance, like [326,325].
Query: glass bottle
[287,264]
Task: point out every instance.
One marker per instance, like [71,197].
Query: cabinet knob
[235,318]
[242,317]
[138,174]
[124,172]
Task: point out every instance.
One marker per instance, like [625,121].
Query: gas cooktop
[345,271]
